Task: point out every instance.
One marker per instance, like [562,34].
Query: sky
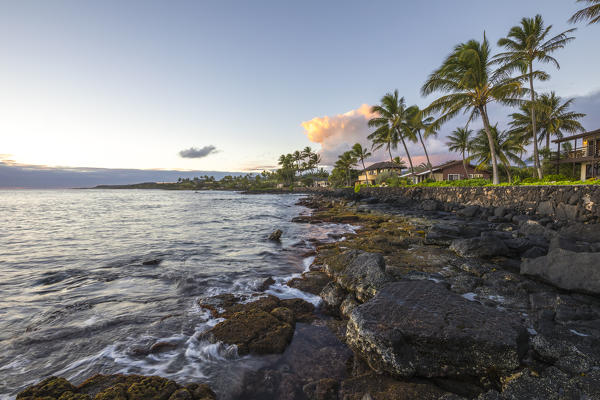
[231,85]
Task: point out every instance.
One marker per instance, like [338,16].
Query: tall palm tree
[525,44]
[507,148]
[459,141]
[360,153]
[345,162]
[590,13]
[390,123]
[471,84]
[555,118]
[552,117]
[419,122]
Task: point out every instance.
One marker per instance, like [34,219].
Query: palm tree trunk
[426,154]
[365,171]
[488,131]
[507,168]
[412,169]
[390,151]
[536,155]
[547,141]
[465,165]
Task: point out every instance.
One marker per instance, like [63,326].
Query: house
[321,183]
[376,169]
[585,156]
[448,171]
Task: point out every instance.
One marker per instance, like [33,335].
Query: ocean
[89,279]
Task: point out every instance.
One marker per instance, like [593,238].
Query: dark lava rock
[332,295]
[359,272]
[421,328]
[217,304]
[482,247]
[323,389]
[381,387]
[310,282]
[266,284]
[276,235]
[105,387]
[566,269]
[444,233]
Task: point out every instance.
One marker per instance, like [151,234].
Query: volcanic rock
[420,328]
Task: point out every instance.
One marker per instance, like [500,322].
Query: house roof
[384,165]
[437,168]
[580,136]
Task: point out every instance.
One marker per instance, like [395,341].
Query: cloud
[338,133]
[194,152]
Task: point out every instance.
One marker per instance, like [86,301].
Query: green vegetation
[590,13]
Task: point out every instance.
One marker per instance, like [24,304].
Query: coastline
[524,335]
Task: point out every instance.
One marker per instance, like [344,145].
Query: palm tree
[459,141]
[526,44]
[591,13]
[507,147]
[297,158]
[345,162]
[390,123]
[401,163]
[361,153]
[417,123]
[555,118]
[471,83]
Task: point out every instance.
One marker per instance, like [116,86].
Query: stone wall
[565,203]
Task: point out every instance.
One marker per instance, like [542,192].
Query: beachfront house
[448,171]
[372,171]
[583,155]
[321,183]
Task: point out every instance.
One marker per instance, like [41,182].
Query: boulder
[420,328]
[275,236]
[566,269]
[482,247]
[117,387]
[363,275]
[444,233]
[310,282]
[332,295]
[254,331]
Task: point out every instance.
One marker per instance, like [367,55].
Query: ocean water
[76,298]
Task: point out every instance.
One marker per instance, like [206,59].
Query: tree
[418,122]
[525,44]
[552,117]
[507,147]
[590,13]
[361,153]
[390,123]
[343,166]
[471,83]
[459,141]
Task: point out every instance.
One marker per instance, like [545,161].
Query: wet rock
[108,387]
[275,236]
[429,205]
[348,305]
[263,326]
[217,304]
[310,282]
[52,387]
[420,328]
[469,211]
[266,284]
[534,252]
[254,331]
[381,387]
[552,384]
[566,269]
[564,355]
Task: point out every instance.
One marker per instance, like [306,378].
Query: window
[453,177]
[475,176]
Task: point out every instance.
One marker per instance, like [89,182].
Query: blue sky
[129,84]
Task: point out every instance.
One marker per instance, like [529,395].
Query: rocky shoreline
[422,302]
